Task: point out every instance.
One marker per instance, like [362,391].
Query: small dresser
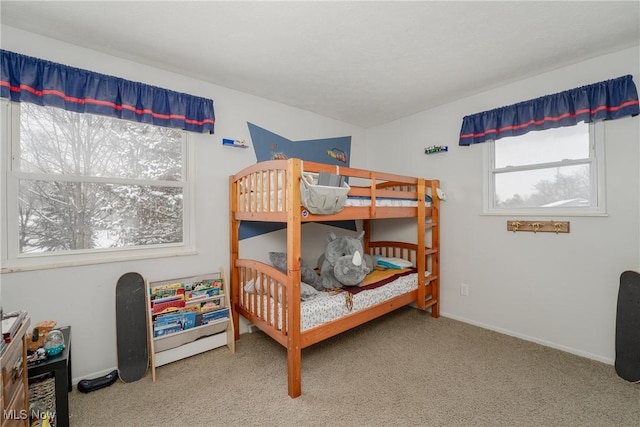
[13,363]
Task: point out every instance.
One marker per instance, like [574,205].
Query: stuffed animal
[343,263]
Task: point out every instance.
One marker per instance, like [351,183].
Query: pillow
[279,260]
[393,263]
[307,274]
[306,291]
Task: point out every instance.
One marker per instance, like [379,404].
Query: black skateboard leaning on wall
[131,327]
[627,362]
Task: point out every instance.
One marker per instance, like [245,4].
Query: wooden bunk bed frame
[283,176]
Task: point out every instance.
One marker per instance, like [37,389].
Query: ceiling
[361,62]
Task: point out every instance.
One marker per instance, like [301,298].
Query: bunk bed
[271,191]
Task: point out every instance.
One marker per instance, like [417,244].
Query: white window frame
[597,168]
[12,261]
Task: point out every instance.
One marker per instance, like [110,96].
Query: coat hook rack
[538,226]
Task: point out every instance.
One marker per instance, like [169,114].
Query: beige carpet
[405,369]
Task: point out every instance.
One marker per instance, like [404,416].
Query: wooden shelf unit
[198,338]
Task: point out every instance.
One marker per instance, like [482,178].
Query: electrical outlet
[464,290]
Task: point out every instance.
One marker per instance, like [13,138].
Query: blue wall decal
[269,146]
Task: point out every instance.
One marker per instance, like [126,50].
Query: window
[85,188]
[557,171]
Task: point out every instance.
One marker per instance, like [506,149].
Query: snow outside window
[82,188]
[557,172]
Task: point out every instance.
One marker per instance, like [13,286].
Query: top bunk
[274,191]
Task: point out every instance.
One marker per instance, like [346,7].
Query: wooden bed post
[420,253]
[233,255]
[366,241]
[294,237]
[435,243]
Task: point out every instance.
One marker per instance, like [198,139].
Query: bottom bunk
[262,294]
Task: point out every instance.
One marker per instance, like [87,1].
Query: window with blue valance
[28,79]
[611,99]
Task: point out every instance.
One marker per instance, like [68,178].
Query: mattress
[324,307]
[275,199]
[384,202]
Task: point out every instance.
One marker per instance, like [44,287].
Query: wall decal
[436,149]
[270,146]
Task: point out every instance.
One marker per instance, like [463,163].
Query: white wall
[559,290]
[84,297]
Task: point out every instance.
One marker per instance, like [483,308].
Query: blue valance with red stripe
[27,79]
[611,99]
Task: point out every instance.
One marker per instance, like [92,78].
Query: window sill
[545,214]
[32,265]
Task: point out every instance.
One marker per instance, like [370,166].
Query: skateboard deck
[131,327]
[627,362]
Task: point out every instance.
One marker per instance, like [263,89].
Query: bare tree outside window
[567,186]
[547,171]
[92,182]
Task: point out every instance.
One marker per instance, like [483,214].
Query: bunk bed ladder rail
[433,254]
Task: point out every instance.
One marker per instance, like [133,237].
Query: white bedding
[351,201]
[325,307]
[382,202]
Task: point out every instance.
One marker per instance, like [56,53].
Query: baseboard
[545,343]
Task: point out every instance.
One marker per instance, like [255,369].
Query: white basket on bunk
[322,199]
